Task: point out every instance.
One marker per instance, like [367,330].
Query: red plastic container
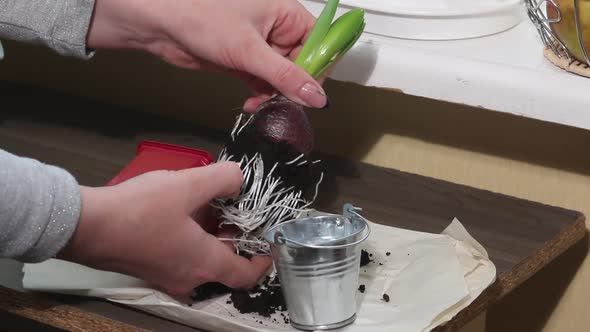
[152,156]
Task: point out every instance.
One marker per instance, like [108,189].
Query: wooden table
[95,141]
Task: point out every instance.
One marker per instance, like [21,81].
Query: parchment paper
[428,277]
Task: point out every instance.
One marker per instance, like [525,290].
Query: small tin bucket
[318,262]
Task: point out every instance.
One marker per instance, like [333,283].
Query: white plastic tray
[432,19]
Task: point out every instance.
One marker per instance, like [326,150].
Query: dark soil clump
[209,290]
[365,258]
[263,300]
[264,304]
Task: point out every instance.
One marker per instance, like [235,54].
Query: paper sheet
[429,278]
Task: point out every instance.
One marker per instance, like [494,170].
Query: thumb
[218,180]
[232,270]
[284,75]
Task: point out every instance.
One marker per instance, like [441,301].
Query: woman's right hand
[155,227]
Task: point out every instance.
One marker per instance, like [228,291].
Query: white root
[265,203]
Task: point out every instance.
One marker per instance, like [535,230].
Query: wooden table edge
[38,307]
[507,281]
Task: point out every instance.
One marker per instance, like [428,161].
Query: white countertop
[505,72]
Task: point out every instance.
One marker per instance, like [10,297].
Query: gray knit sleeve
[39,208]
[61,25]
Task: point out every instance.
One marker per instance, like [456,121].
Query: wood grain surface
[57,315]
[95,141]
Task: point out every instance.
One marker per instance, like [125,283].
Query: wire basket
[556,49]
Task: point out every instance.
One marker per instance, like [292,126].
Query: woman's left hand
[255,40]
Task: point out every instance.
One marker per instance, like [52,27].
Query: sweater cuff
[61,25]
[65,202]
[71,28]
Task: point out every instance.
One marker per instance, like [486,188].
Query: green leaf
[340,54]
[353,41]
[341,36]
[319,31]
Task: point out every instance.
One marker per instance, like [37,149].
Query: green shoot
[328,41]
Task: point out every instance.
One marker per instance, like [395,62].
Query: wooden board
[95,142]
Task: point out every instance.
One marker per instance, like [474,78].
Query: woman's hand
[254,40]
[154,227]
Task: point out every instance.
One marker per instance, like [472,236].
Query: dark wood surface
[95,142]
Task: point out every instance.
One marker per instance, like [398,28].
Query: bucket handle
[349,211]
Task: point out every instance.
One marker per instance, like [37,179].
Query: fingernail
[313,95]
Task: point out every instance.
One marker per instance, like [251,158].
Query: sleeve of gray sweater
[39,208]
[39,203]
[61,25]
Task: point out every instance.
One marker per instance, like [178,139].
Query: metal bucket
[318,262]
